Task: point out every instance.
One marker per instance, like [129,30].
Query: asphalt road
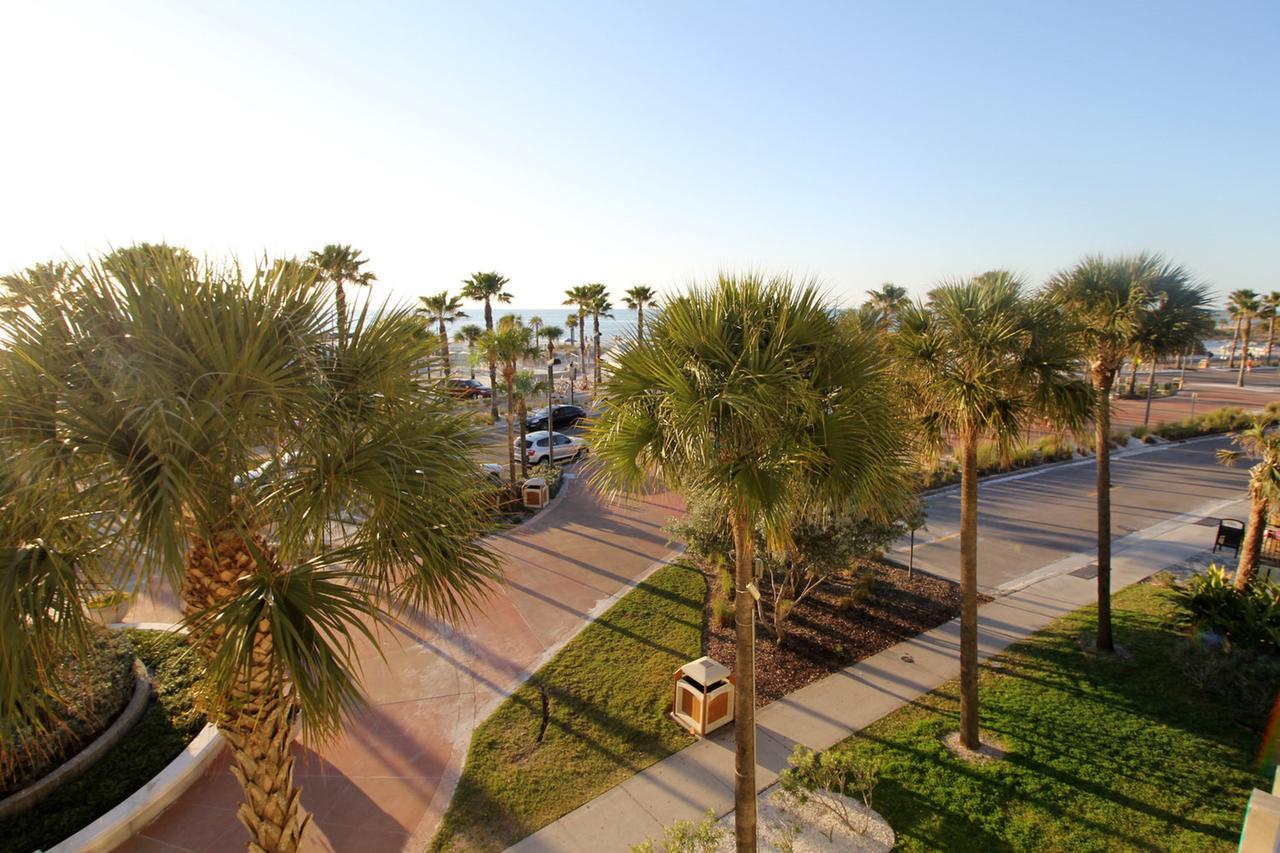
[1030,520]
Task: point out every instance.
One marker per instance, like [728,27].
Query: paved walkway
[385,783]
[700,777]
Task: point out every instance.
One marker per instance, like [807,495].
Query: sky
[659,143]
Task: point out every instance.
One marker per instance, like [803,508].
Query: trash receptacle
[535,492]
[703,698]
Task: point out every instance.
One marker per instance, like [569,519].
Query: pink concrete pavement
[383,785]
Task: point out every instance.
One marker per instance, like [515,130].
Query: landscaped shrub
[92,687]
[722,612]
[1209,601]
[553,474]
[1225,419]
[1055,448]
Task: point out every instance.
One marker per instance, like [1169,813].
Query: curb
[20,801]
[144,805]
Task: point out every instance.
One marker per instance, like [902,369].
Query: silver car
[542,446]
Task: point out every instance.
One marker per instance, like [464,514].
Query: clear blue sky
[560,143]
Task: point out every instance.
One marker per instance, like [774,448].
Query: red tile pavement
[384,783]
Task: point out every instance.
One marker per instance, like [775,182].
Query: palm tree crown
[1260,441]
[443,309]
[488,287]
[636,299]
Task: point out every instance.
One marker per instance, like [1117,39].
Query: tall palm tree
[469,334]
[297,495]
[579,297]
[1262,442]
[887,302]
[340,265]
[636,299]
[510,344]
[1269,305]
[536,323]
[1246,305]
[525,386]
[981,359]
[552,334]
[1104,301]
[750,391]
[1177,321]
[443,309]
[488,287]
[571,323]
[600,306]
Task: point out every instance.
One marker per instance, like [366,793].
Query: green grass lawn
[165,729]
[1125,754]
[605,694]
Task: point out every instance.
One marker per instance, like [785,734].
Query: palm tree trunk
[1102,422]
[969,592]
[1244,351]
[640,321]
[1251,546]
[444,348]
[582,338]
[1271,336]
[340,303]
[595,332]
[1151,384]
[508,376]
[1133,380]
[258,717]
[524,457]
[744,708]
[1235,339]
[493,377]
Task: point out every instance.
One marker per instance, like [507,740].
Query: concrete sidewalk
[700,777]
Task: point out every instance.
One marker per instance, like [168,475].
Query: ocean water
[622,323]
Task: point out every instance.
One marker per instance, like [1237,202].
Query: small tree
[507,347]
[1260,441]
[470,335]
[443,309]
[525,385]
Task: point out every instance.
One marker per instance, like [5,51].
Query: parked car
[468,389]
[564,416]
[494,473]
[542,446]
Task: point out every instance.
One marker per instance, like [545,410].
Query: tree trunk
[259,715]
[444,348]
[1102,485]
[1271,336]
[1251,546]
[524,457]
[1133,380]
[969,592]
[493,375]
[1244,351]
[595,332]
[640,321]
[582,338]
[1151,387]
[340,303]
[508,375]
[1235,339]
[744,708]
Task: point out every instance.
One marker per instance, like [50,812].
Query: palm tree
[443,309]
[635,299]
[140,259]
[487,287]
[599,305]
[887,303]
[1270,304]
[1176,322]
[750,391]
[536,323]
[1104,301]
[525,385]
[579,297]
[571,322]
[340,265]
[299,496]
[508,346]
[552,334]
[1246,305]
[469,335]
[39,289]
[1260,441]
[980,359]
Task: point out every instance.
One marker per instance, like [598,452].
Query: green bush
[1209,601]
[553,474]
[1055,448]
[722,613]
[91,687]
[1225,419]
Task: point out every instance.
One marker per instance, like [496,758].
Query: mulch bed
[822,638]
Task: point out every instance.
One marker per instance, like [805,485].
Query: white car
[542,446]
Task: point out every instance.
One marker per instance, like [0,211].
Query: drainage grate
[1087,572]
